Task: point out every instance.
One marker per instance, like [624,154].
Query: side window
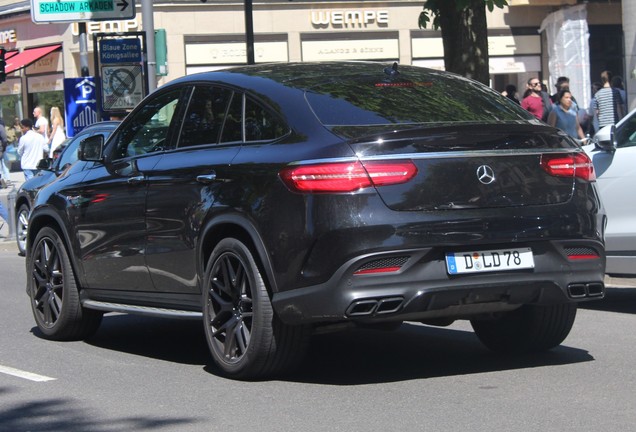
[204,117]
[261,124]
[148,130]
[232,125]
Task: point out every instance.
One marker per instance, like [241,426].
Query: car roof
[307,75]
[305,94]
[102,124]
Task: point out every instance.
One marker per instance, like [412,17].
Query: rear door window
[204,116]
[233,120]
[248,120]
[260,123]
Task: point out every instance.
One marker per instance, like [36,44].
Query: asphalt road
[147,374]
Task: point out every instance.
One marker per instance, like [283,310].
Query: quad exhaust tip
[379,306]
[586,290]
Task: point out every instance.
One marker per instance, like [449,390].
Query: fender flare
[245,224]
[40,213]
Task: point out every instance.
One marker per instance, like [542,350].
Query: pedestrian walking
[564,115]
[31,148]
[592,115]
[4,214]
[41,123]
[511,93]
[617,83]
[563,83]
[57,131]
[4,171]
[608,102]
[533,100]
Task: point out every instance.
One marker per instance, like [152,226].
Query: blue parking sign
[81,103]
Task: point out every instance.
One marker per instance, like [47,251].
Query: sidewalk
[17,178]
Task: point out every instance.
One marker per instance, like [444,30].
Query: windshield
[626,133]
[413,97]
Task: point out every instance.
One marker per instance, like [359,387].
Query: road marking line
[23,374]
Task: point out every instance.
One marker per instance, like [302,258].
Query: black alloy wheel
[245,337]
[53,291]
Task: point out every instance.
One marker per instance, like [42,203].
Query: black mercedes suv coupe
[275,200]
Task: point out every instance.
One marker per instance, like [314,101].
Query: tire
[21,227]
[244,335]
[527,329]
[54,293]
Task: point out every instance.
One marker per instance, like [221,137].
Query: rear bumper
[422,289]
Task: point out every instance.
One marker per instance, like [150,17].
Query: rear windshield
[414,97]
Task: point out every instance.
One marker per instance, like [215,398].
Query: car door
[111,222]
[188,182]
[616,178]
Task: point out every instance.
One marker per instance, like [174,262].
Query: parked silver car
[12,158]
[613,152]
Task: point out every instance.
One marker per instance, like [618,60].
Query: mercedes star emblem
[485,174]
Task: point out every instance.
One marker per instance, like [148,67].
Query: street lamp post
[149,28]
[249,32]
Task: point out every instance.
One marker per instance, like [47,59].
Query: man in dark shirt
[563,83]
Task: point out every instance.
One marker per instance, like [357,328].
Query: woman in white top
[57,130]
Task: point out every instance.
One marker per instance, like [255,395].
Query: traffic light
[3,74]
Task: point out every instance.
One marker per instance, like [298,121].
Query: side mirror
[608,145]
[44,164]
[91,149]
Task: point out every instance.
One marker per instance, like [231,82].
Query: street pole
[249,32]
[83,45]
[149,28]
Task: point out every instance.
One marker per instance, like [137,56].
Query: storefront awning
[28,56]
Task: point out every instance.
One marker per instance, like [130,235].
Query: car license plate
[490,260]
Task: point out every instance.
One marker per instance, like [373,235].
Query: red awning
[28,56]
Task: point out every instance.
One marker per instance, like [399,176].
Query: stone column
[629,31]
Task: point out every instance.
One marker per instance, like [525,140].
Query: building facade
[211,35]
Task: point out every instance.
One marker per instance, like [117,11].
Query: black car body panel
[448,161]
[65,157]
[351,215]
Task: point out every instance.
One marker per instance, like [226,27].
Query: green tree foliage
[464,33]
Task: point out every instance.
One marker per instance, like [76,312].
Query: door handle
[136,180]
[206,178]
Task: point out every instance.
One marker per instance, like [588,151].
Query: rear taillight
[569,165]
[347,176]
